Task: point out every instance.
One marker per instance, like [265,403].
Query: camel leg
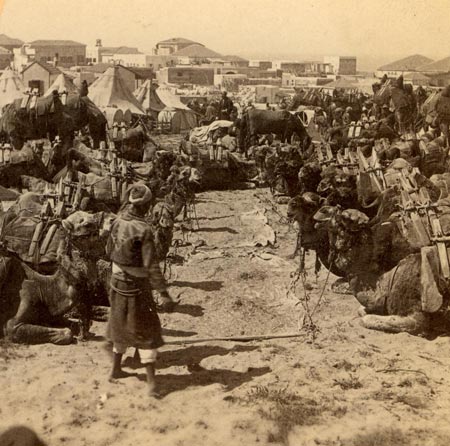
[85,321]
[415,323]
[35,334]
[24,333]
[297,246]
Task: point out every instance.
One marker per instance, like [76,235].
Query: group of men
[223,110]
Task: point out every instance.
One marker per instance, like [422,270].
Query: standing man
[133,320]
[210,114]
[225,107]
[347,116]
[84,91]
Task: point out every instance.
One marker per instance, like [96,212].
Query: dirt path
[350,386]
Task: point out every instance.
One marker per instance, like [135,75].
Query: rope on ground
[307,322]
[273,206]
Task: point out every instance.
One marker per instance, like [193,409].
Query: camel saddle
[31,229]
[44,106]
[426,226]
[33,239]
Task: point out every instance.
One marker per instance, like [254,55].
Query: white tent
[62,84]
[180,120]
[167,106]
[147,97]
[11,87]
[110,90]
[170,100]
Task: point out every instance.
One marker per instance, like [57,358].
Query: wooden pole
[237,338]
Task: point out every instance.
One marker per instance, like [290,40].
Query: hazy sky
[370,29]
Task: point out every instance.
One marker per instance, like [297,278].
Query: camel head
[337,186]
[105,221]
[309,175]
[83,230]
[349,236]
[78,161]
[189,175]
[162,215]
[302,209]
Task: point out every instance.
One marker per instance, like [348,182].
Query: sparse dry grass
[288,409]
[381,437]
[253,275]
[347,383]
[343,364]
[391,436]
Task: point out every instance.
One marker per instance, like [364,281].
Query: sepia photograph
[224,223]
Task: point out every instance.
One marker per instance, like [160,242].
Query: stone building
[186,75]
[6,57]
[65,53]
[342,65]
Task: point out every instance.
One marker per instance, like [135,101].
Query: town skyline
[274,36]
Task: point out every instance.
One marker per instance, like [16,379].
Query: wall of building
[251,72]
[262,64]
[84,76]
[333,61]
[67,56]
[93,54]
[264,81]
[292,67]
[186,75]
[166,49]
[341,64]
[236,63]
[347,65]
[266,93]
[5,60]
[38,73]
[157,62]
[230,82]
[289,80]
[22,57]
[440,80]
[303,67]
[127,60]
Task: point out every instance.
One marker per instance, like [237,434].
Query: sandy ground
[348,386]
